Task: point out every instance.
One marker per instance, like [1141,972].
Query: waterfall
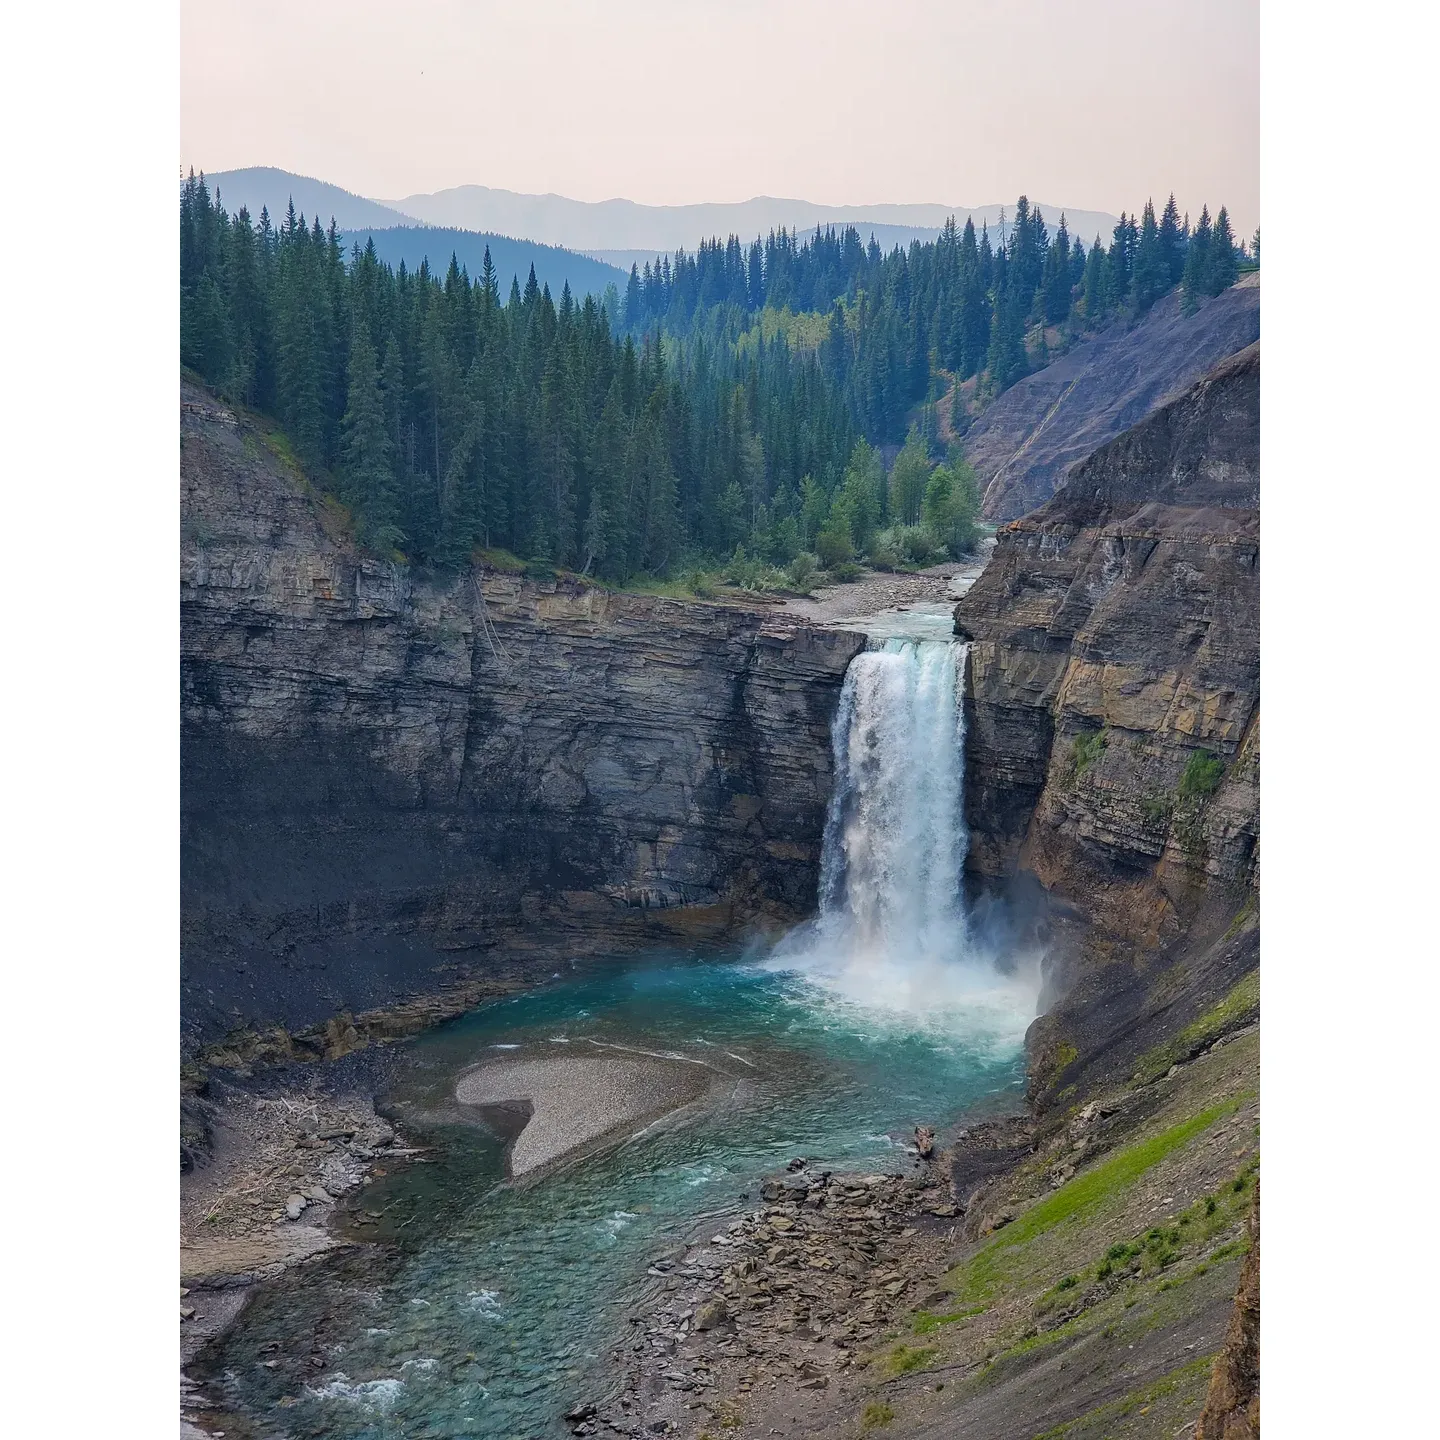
[895,840]
[892,929]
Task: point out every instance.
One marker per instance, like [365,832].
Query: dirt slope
[1024,445]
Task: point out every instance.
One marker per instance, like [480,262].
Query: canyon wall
[391,782]
[1114,732]
[1024,445]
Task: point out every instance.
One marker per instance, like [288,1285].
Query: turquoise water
[492,1308]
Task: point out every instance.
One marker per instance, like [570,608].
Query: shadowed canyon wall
[1114,730]
[388,783]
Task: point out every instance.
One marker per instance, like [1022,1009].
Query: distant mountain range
[265,187]
[589,243]
[607,226]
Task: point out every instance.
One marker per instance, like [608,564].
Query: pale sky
[1085,103]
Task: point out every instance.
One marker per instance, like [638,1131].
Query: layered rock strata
[1113,729]
[389,781]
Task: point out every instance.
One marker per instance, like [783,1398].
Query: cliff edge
[1114,734]
[391,781]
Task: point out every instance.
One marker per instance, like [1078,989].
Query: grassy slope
[1097,1309]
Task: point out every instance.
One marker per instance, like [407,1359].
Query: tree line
[685,429]
[958,304]
[449,419]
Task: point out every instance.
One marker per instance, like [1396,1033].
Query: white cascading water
[895,836]
[892,931]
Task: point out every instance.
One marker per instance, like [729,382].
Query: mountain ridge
[618,224]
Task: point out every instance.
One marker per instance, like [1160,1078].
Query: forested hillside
[729,412]
[899,328]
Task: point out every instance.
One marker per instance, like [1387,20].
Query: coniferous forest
[727,409]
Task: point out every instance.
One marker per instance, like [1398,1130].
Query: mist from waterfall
[893,932]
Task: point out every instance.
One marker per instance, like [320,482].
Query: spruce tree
[1097,284]
[1196,280]
[1222,255]
[1057,277]
[369,482]
[1172,249]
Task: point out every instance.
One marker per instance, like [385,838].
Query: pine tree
[1223,267]
[1196,280]
[1172,249]
[1098,292]
[1057,277]
[369,482]
[1152,271]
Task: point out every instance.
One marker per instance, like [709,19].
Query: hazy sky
[1087,103]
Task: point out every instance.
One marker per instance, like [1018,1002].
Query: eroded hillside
[1024,445]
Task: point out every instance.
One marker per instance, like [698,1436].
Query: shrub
[1203,773]
[846,570]
[752,574]
[877,1412]
[885,552]
[1085,750]
[834,548]
[918,545]
[1156,808]
[803,569]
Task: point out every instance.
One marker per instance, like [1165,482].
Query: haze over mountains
[616,232]
[624,225]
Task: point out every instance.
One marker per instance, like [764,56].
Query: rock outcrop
[1025,444]
[1232,1405]
[1113,736]
[390,780]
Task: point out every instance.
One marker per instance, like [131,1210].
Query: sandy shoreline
[575,1101]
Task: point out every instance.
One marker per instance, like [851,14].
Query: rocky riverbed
[261,1195]
[878,590]
[847,1296]
[779,1301]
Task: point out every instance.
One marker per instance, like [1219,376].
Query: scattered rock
[585,1410]
[295,1206]
[710,1315]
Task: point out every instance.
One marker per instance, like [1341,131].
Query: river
[489,1306]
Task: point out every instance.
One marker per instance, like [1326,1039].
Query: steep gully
[1112,639]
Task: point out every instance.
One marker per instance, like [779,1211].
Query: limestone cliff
[1113,737]
[1025,444]
[390,780]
